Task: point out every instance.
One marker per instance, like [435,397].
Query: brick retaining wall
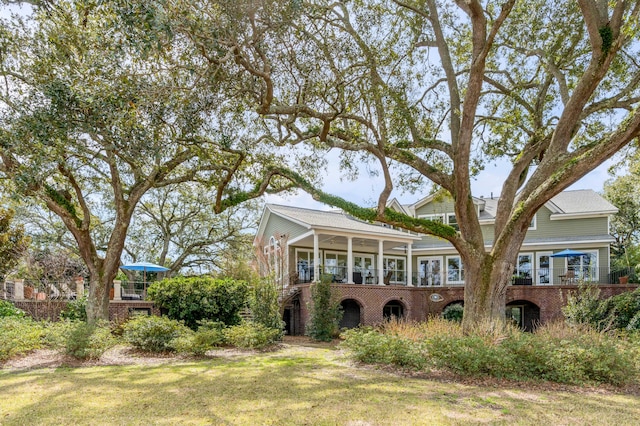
[50,309]
[418,306]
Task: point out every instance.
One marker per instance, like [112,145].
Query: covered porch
[382,257]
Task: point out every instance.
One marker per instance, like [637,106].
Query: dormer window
[452,221]
[448,218]
[433,217]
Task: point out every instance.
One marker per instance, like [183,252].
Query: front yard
[300,383]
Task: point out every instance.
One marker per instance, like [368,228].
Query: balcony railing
[542,276]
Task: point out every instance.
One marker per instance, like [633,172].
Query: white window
[584,267]
[394,270]
[455,271]
[453,221]
[335,264]
[532,225]
[433,217]
[524,265]
[448,218]
[304,265]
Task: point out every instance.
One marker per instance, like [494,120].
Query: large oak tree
[433,90]
[97,109]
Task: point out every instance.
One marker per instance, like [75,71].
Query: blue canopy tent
[568,253]
[144,267]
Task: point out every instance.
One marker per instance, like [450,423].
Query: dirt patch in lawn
[125,355]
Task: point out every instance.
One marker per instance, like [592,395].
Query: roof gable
[334,220]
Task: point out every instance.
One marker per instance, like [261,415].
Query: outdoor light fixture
[435,297]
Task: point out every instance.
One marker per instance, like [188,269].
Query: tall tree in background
[177,227]
[433,90]
[13,242]
[97,110]
[624,193]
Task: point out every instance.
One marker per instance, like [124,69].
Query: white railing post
[79,287]
[117,292]
[18,289]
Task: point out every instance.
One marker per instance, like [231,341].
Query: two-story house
[379,271]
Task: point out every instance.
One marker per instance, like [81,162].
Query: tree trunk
[98,299]
[487,276]
[485,292]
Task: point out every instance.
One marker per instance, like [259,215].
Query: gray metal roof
[582,201]
[602,238]
[333,220]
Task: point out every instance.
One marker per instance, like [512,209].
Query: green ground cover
[298,384]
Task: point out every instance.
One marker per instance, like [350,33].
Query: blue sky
[365,189]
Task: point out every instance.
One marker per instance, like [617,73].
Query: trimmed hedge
[200,298]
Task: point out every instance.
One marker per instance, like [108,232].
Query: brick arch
[453,302]
[529,312]
[406,306]
[356,298]
[349,318]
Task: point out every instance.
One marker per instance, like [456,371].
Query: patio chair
[569,277]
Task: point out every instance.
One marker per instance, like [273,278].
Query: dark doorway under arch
[524,314]
[350,313]
[291,318]
[394,308]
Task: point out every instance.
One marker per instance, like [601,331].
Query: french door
[430,271]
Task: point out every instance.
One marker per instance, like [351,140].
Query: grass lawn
[295,385]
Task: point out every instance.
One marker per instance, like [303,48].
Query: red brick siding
[50,309]
[418,306]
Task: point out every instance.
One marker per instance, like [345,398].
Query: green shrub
[8,309]
[251,335]
[370,346]
[620,310]
[76,310]
[57,333]
[89,341]
[264,305]
[453,312]
[583,306]
[152,333]
[325,311]
[574,355]
[197,298]
[19,336]
[210,334]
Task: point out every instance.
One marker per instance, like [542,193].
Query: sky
[365,190]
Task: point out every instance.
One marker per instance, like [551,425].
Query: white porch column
[409,265]
[117,290]
[350,260]
[18,290]
[380,262]
[316,258]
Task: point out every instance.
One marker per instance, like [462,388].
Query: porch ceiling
[339,243]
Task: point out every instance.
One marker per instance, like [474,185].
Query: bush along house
[380,272]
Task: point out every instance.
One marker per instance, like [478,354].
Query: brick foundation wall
[418,306]
[50,309]
[42,309]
